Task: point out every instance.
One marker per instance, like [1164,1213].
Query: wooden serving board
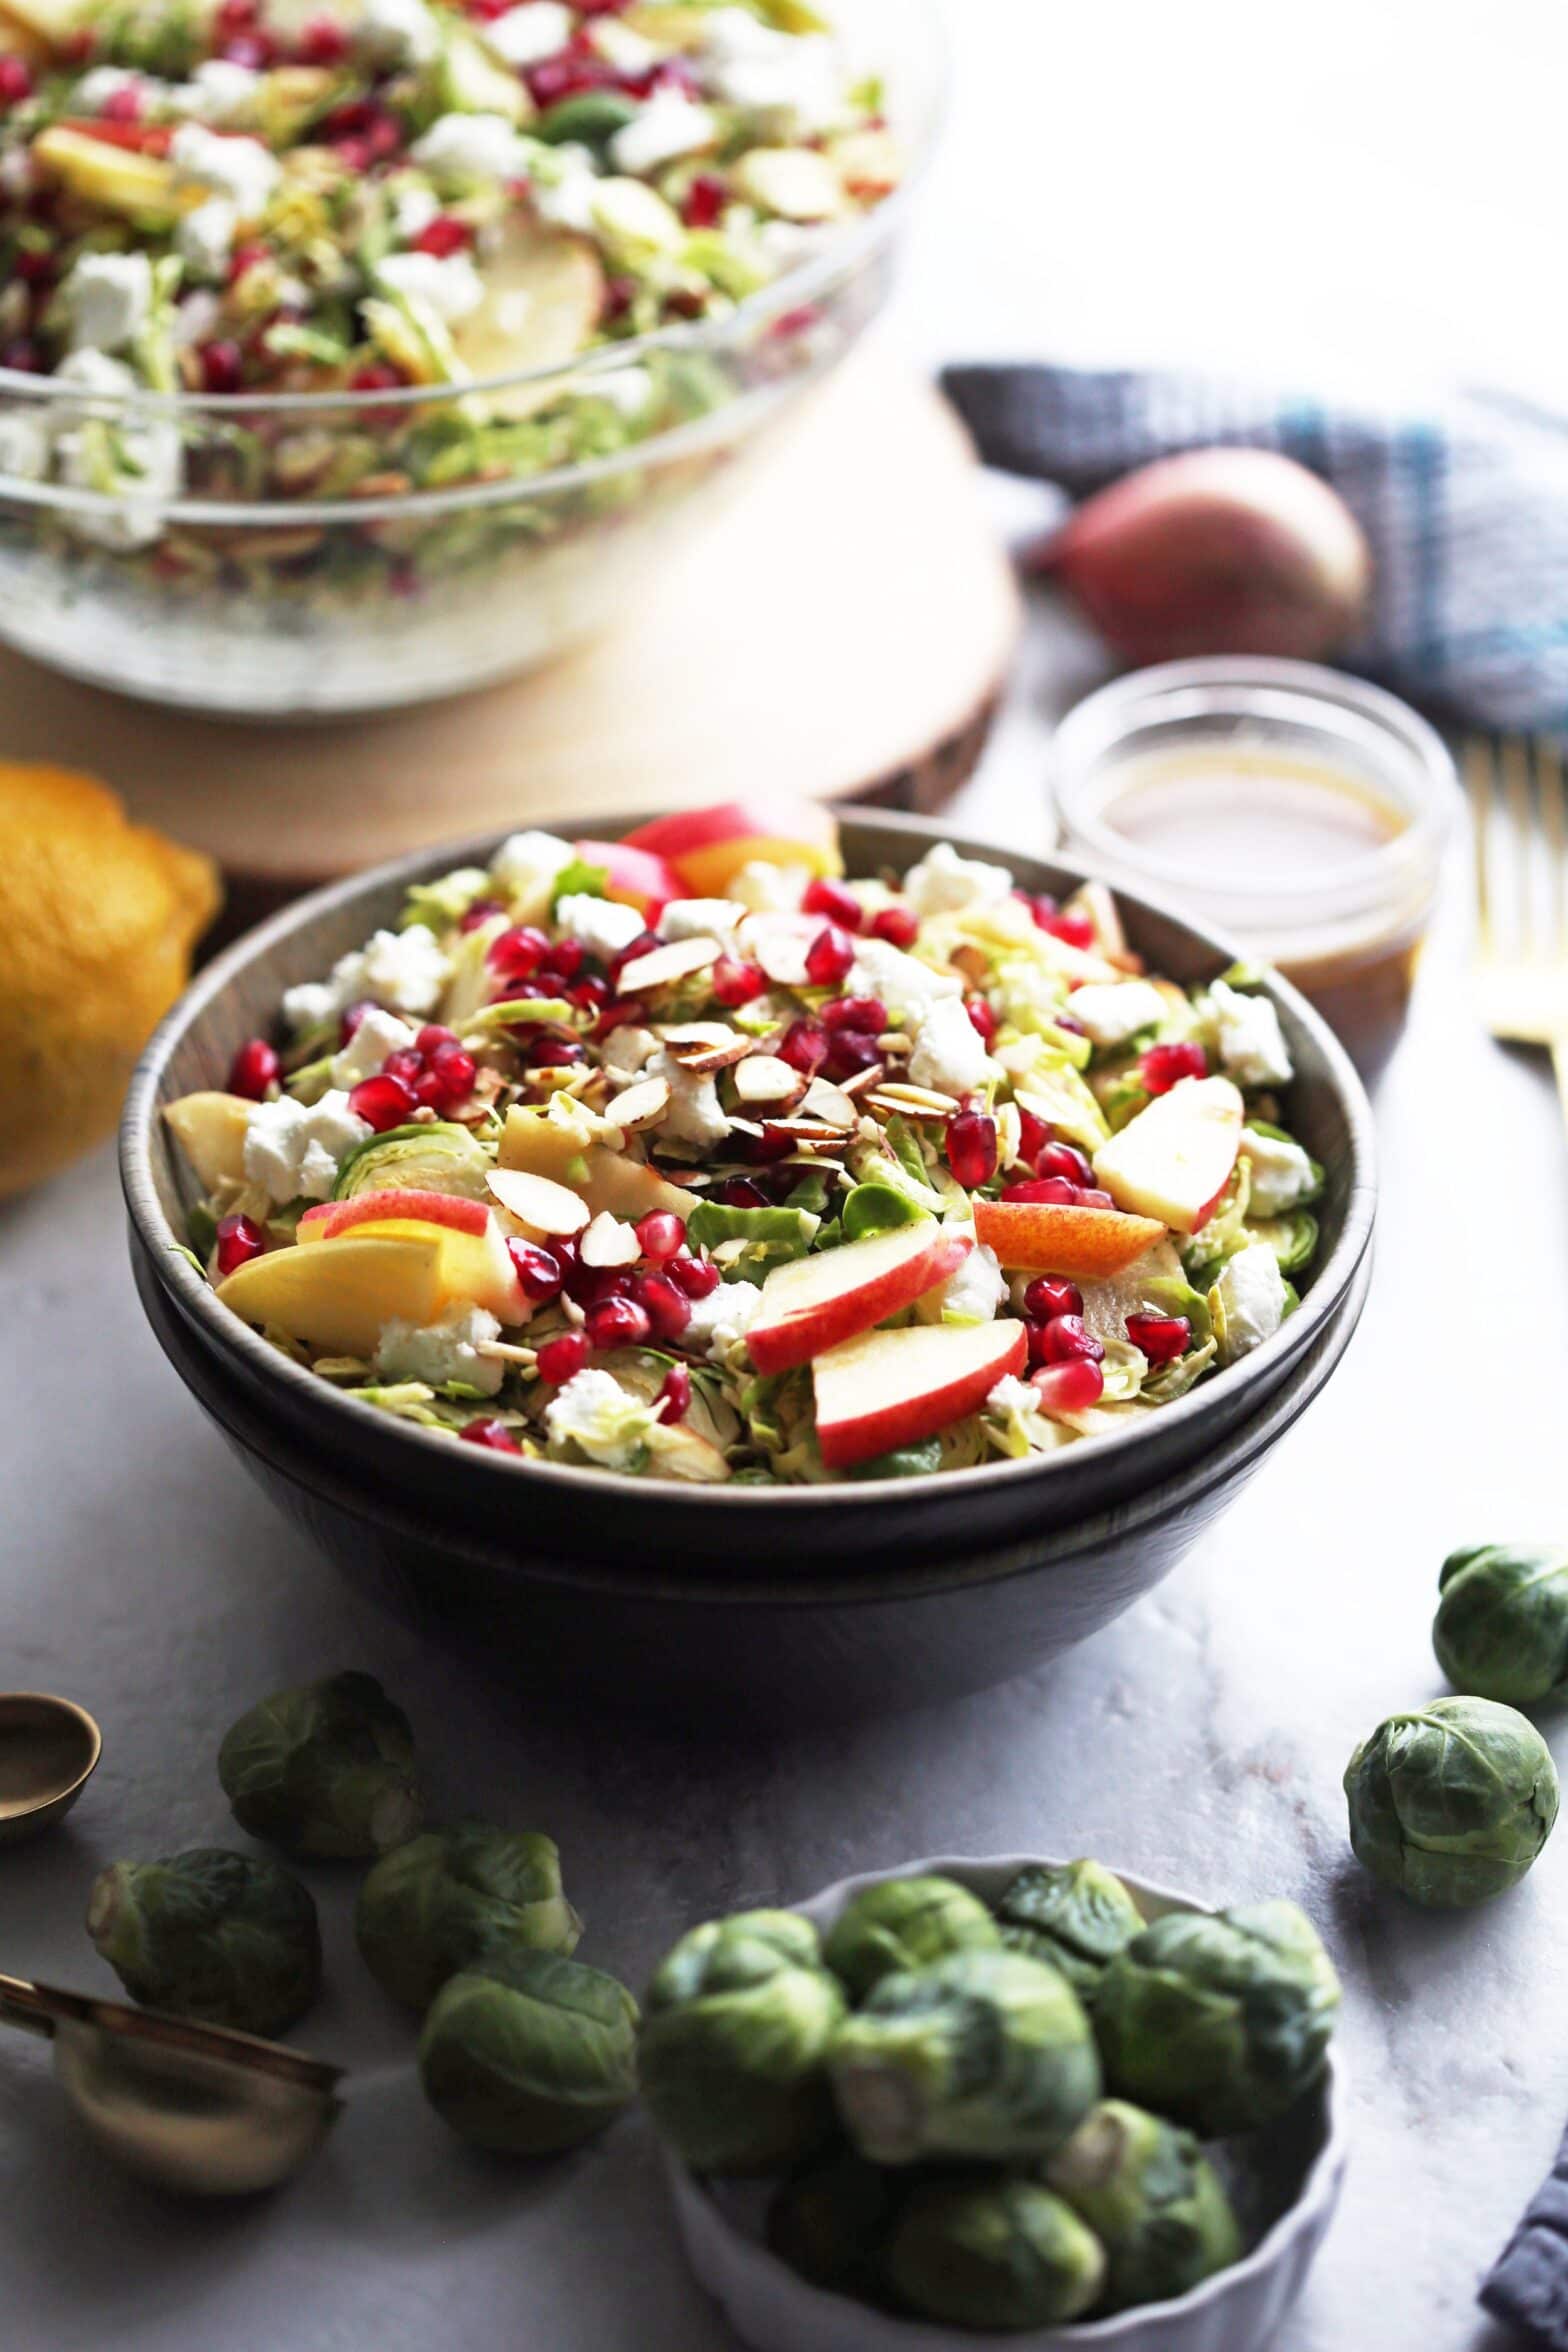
[842,630]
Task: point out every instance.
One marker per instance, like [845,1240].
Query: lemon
[98,918]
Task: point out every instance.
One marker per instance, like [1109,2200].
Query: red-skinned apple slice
[336,1297]
[892,1388]
[1056,1237]
[812,1304]
[708,846]
[328,1220]
[635,876]
[475,1263]
[1174,1159]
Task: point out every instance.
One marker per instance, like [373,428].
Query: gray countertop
[1199,1741]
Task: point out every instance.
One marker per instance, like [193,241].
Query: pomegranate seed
[897,925]
[829,957]
[16,83]
[981,1017]
[850,1052]
[695,1276]
[432,1035]
[660,1234]
[443,236]
[239,1240]
[323,42]
[382,1102]
[832,899]
[483,910]
[674,1398]
[805,1047]
[1162,1338]
[353,1017]
[738,1192]
[1034,1333]
[1041,905]
[536,1270]
[493,1434]
[453,1075]
[1034,1133]
[34,269]
[377,377]
[622,1012]
[1070,1387]
[1048,1295]
[971,1148]
[1073,1026]
[1068,1335]
[644,944]
[1060,1159]
[668,1309]
[554,1052]
[1042,1188]
[589,996]
[774,1143]
[1090,1198]
[1164,1066]
[854,1012]
[520,953]
[22,355]
[561,1359]
[123,105]
[705,202]
[405,1062]
[619,295]
[735,984]
[248,257]
[254,1069]
[1076,930]
[618,1322]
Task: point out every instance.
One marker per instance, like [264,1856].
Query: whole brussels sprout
[228,1939]
[984,2054]
[1218,2022]
[993,2253]
[903,1923]
[1077,1917]
[1452,1802]
[327,1770]
[829,2221]
[1501,1630]
[1152,2199]
[458,1896]
[736,2026]
[529,2053]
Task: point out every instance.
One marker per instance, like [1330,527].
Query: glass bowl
[311,606]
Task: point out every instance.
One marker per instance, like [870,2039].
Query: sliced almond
[702,1061]
[661,967]
[779,943]
[918,1098]
[642,1105]
[763,1078]
[608,1241]
[538,1201]
[831,1104]
[806,1130]
[863,1081]
[891,1107]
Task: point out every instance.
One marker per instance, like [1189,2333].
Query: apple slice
[707,846]
[107,176]
[1056,1237]
[603,1178]
[329,1220]
[892,1388]
[335,1298]
[210,1130]
[634,876]
[475,1262]
[1174,1159]
[811,1304]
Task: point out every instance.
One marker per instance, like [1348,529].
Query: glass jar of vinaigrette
[1301,812]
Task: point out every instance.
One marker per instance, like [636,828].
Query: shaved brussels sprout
[1502,1624]
[1152,2199]
[1292,1237]
[439,1158]
[530,2053]
[456,1897]
[829,2221]
[228,1939]
[1003,2254]
[902,1923]
[983,2054]
[1077,1917]
[1452,1802]
[325,1770]
[735,2031]
[1218,2022]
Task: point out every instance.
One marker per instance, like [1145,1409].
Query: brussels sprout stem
[885,2112]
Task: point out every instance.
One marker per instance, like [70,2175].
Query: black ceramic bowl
[853,1595]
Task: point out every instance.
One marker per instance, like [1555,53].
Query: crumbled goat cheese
[1282,1173]
[404,970]
[471,147]
[448,282]
[204,237]
[141,470]
[109,297]
[746,63]
[594,1412]
[949,1054]
[1111,1011]
[413,210]
[628,390]
[1251,1290]
[602,925]
[294,1149]
[1251,1041]
[668,126]
[106,83]
[398,32]
[702,918]
[722,1318]
[944,882]
[24,447]
[566,198]
[771,889]
[377,1035]
[974,1292]
[530,34]
[439,1352]
[1012,1395]
[906,986]
[695,1115]
[524,869]
[236,167]
[219,91]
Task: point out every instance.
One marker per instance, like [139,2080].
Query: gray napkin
[1466,509]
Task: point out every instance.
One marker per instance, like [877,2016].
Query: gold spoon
[49,1749]
[192,2107]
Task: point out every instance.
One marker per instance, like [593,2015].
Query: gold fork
[1521,880]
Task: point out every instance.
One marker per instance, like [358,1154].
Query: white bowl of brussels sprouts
[1254,2205]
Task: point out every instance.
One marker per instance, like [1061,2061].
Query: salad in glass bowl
[356,350]
[687,1156]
